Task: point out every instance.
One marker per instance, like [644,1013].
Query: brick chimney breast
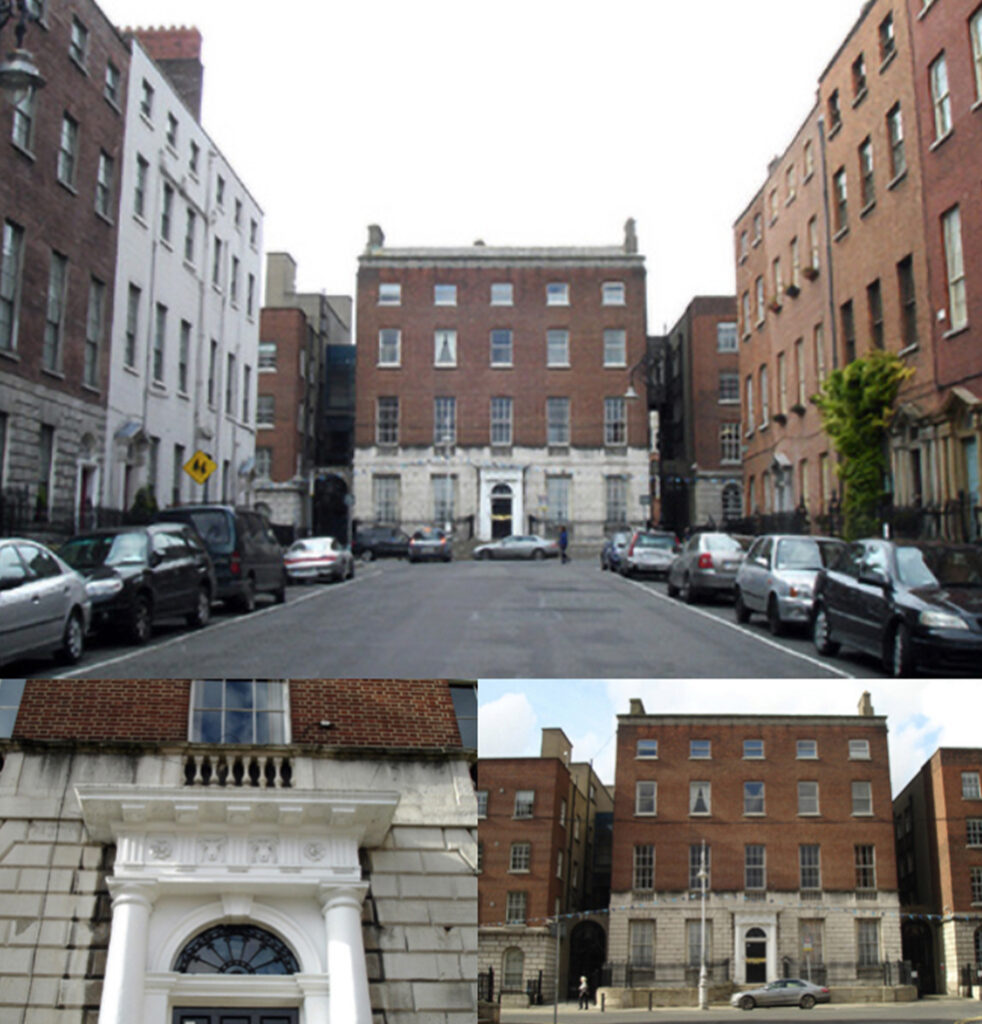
[177,52]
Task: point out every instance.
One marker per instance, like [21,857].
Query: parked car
[318,558]
[528,545]
[247,556]
[44,606]
[136,575]
[783,992]
[430,542]
[380,542]
[613,549]
[909,603]
[649,551]
[707,564]
[777,578]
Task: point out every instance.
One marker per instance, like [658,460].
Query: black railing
[628,975]
[20,516]
[841,972]
[485,985]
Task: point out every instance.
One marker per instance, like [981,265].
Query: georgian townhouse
[781,824]
[277,851]
[491,388]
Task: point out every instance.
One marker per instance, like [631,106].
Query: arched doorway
[587,954]
[755,956]
[917,942]
[331,504]
[501,511]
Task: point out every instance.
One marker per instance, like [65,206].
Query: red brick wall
[54,217]
[502,778]
[363,712]
[288,328]
[726,829]
[170,43]
[529,382]
[951,176]
[955,858]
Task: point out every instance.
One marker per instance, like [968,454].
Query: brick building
[541,854]
[699,425]
[296,481]
[938,824]
[301,850]
[790,817]
[60,167]
[490,387]
[938,449]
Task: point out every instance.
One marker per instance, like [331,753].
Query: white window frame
[389,293]
[502,293]
[700,789]
[970,786]
[557,347]
[748,750]
[615,422]
[386,427]
[645,798]
[643,868]
[389,348]
[647,749]
[940,96]
[700,750]
[496,349]
[444,420]
[557,293]
[975,30]
[951,225]
[524,803]
[615,347]
[520,857]
[726,337]
[613,293]
[808,796]
[516,908]
[754,802]
[502,412]
[806,750]
[444,295]
[557,426]
[862,798]
[444,339]
[196,706]
[859,750]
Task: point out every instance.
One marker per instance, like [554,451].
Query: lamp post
[703,877]
[19,76]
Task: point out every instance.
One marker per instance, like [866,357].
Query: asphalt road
[468,619]
[927,1011]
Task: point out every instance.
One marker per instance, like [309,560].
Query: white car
[318,558]
[44,606]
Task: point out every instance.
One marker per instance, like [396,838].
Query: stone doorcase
[287,862]
[744,922]
[491,477]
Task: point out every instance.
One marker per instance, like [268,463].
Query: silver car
[44,607]
[528,545]
[777,578]
[783,992]
[318,558]
[649,551]
[707,564]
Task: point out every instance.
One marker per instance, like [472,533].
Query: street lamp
[703,877]
[19,76]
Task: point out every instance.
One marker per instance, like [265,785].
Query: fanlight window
[236,949]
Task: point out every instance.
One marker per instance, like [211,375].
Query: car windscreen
[721,542]
[83,553]
[654,540]
[806,553]
[939,565]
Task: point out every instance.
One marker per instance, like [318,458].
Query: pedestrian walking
[584,992]
[563,543]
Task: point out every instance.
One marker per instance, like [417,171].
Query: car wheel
[538,554]
[73,641]
[603,565]
[740,610]
[279,594]
[807,1001]
[201,615]
[900,659]
[485,556]
[822,633]
[367,555]
[774,623]
[747,1003]
[141,620]
[688,592]
[351,569]
[247,599]
[673,591]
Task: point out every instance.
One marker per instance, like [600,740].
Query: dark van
[247,556]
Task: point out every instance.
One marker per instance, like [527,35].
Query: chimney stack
[866,705]
[376,239]
[630,237]
[177,52]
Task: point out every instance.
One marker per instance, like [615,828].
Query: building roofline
[655,719]
[867,7]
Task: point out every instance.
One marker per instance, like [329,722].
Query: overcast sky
[518,122]
[921,715]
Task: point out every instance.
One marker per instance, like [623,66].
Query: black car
[380,542]
[135,575]
[909,603]
[247,556]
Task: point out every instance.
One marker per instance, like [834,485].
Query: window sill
[755,814]
[131,370]
[23,150]
[941,140]
[158,387]
[444,366]
[190,267]
[166,243]
[834,130]
[909,350]
[113,103]
[888,60]
[840,234]
[502,366]
[67,186]
[809,814]
[755,242]
[56,374]
[558,366]
[90,388]
[139,219]
[790,199]
[10,354]
[729,401]
[860,96]
[763,427]
[105,218]
[868,208]
[897,179]
[145,118]
[78,64]
[955,331]
[615,366]
[184,395]
[977,105]
[519,871]
[388,366]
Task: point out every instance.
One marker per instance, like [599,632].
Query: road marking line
[212,627]
[740,629]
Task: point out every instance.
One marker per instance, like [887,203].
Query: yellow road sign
[200,466]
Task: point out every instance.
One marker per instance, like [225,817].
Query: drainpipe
[204,339]
[828,243]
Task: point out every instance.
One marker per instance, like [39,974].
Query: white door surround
[489,477]
[189,858]
[743,922]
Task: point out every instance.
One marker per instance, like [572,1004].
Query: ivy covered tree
[856,404]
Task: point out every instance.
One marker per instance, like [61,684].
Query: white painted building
[186,312]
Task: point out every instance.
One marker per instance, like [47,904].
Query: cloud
[508,727]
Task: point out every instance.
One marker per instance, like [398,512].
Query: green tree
[856,405]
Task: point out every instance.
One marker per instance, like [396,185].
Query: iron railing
[628,975]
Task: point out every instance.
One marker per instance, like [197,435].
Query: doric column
[126,961]
[346,967]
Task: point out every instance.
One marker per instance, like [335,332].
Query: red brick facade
[368,713]
[286,386]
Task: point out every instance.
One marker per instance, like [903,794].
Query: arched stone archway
[587,954]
